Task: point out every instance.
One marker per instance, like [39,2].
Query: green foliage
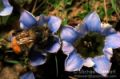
[87,7]
[68,2]
[102,12]
[55,3]
[12,61]
[82,15]
[22,2]
[115,7]
[1,5]
[65,21]
[113,2]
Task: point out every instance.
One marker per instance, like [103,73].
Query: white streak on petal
[89,62]
[69,34]
[54,23]
[73,62]
[92,22]
[67,48]
[107,29]
[102,65]
[113,41]
[6,11]
[27,20]
[108,52]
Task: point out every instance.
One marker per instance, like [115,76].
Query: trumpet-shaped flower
[47,41]
[7,8]
[92,38]
[28,21]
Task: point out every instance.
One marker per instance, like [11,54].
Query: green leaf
[68,2]
[1,5]
[82,15]
[65,21]
[109,12]
[102,12]
[12,61]
[54,3]
[113,2]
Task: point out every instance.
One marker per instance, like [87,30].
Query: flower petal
[69,34]
[82,30]
[113,41]
[102,65]
[37,57]
[107,29]
[6,3]
[73,62]
[54,23]
[108,52]
[7,10]
[28,75]
[27,20]
[92,22]
[67,48]
[54,47]
[89,62]
[42,20]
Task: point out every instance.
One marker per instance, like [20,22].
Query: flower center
[43,37]
[91,45]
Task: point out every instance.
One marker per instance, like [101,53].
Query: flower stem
[1,20]
[33,10]
[105,8]
[56,62]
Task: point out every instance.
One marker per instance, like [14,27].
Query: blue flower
[75,61]
[7,8]
[28,21]
[28,75]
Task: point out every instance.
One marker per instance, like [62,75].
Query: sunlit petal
[107,29]
[7,8]
[92,22]
[69,34]
[102,65]
[67,48]
[108,52]
[74,62]
[28,75]
[27,20]
[89,62]
[54,23]
[6,11]
[112,41]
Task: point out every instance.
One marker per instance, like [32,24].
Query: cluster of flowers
[66,39]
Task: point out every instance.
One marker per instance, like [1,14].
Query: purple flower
[7,8]
[28,21]
[75,61]
[28,75]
